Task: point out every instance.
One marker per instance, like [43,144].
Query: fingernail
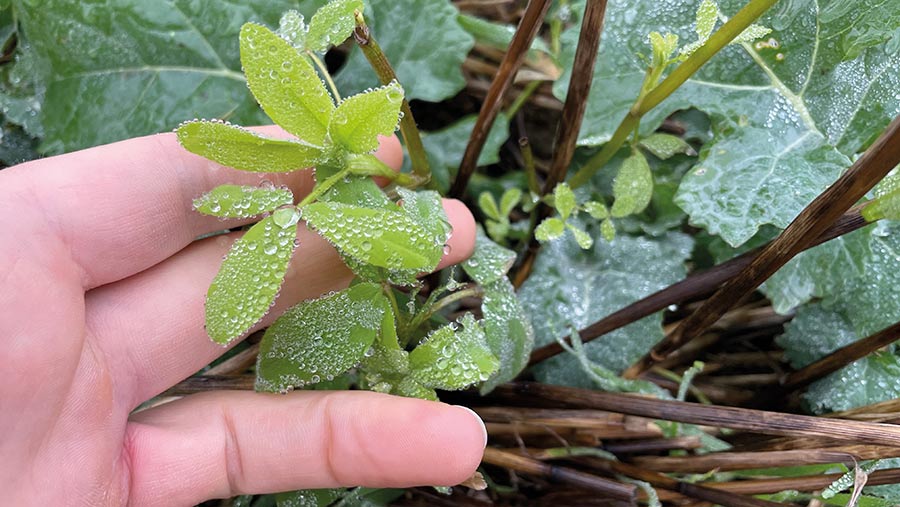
[477,418]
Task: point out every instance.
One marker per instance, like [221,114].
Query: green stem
[530,169]
[327,75]
[401,323]
[370,165]
[523,97]
[323,187]
[723,36]
[442,303]
[385,72]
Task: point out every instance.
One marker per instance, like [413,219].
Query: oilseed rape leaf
[250,277]
[319,339]
[242,149]
[358,120]
[236,201]
[285,84]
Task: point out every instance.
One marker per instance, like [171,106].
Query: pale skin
[101,309]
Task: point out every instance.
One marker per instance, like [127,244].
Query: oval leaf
[388,239]
[250,276]
[319,339]
[359,120]
[451,358]
[332,24]
[666,145]
[489,262]
[507,331]
[235,201]
[285,84]
[633,186]
[242,149]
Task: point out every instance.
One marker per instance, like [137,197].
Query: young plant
[385,241]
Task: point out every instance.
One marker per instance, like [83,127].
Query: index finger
[124,207]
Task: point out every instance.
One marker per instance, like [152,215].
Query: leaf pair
[290,91]
[566,204]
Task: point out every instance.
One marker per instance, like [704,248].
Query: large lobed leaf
[424,43]
[787,113]
[112,70]
[570,287]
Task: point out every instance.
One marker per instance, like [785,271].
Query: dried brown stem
[804,483]
[811,223]
[766,459]
[692,287]
[513,461]
[512,61]
[757,421]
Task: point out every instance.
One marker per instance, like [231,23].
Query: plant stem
[370,165]
[530,170]
[323,187]
[523,97]
[723,36]
[442,303]
[386,74]
[327,75]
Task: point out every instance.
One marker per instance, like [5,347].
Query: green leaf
[489,262]
[819,272]
[662,46]
[572,288]
[507,331]
[332,24]
[887,200]
[451,358]
[633,186]
[234,201]
[751,33]
[509,200]
[583,239]
[308,498]
[125,69]
[358,120]
[608,229]
[426,208]
[249,279]
[445,148]
[488,206]
[424,43]
[816,332]
[383,238]
[292,28]
[707,16]
[786,115]
[240,148]
[564,200]
[596,210]
[550,229]
[320,338]
[285,83]
[664,146]
[496,35]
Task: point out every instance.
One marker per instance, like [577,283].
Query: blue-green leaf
[489,262]
[319,339]
[250,276]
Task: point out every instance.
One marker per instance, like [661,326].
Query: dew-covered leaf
[235,201]
[119,70]
[488,205]
[383,238]
[358,120]
[583,239]
[249,279]
[665,145]
[707,16]
[507,331]
[816,332]
[285,83]
[607,229]
[292,28]
[426,208]
[571,287]
[751,33]
[564,200]
[320,338]
[786,112]
[886,204]
[596,210]
[446,147]
[550,229]
[424,43]
[332,24]
[633,186]
[240,148]
[453,357]
[308,498]
[489,262]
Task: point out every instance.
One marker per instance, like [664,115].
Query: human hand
[101,309]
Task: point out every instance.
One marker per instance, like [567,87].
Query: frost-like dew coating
[489,262]
[249,279]
[235,201]
[332,24]
[320,338]
[452,357]
[359,120]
